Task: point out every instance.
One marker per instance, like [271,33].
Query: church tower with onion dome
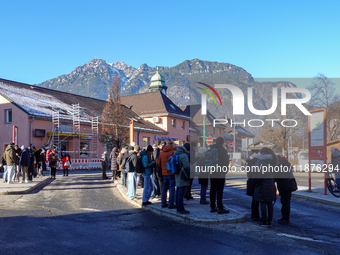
[158,83]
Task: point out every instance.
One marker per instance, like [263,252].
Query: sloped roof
[42,102]
[194,111]
[152,103]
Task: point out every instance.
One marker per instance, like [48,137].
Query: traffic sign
[232,143]
[209,140]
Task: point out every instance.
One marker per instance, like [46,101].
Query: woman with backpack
[265,190]
[148,162]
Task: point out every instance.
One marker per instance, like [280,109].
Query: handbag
[67,163]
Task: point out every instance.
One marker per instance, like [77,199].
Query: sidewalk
[21,188]
[199,214]
[317,193]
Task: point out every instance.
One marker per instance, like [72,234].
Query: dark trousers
[124,178]
[114,173]
[255,213]
[53,171]
[65,171]
[216,190]
[180,191]
[285,201]
[156,190]
[267,206]
[188,191]
[104,172]
[160,182]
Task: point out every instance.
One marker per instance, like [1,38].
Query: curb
[315,199]
[173,215]
[25,191]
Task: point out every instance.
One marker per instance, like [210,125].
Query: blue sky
[41,40]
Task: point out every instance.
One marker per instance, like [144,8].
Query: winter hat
[332,149]
[136,148]
[22,147]
[171,143]
[187,146]
[219,140]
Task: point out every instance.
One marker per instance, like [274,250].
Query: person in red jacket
[66,163]
[168,178]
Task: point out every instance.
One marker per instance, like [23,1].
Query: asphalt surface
[82,214]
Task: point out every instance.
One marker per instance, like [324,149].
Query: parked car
[302,160]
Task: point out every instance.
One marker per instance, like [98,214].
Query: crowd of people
[29,163]
[148,168]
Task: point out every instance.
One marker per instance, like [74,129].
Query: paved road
[82,214]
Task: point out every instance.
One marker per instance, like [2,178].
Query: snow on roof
[34,102]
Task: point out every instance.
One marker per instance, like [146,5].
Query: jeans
[10,173]
[160,182]
[168,184]
[204,192]
[179,198]
[148,186]
[104,172]
[124,177]
[132,180]
[216,190]
[155,191]
[4,177]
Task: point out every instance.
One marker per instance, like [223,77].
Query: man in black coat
[286,184]
[217,179]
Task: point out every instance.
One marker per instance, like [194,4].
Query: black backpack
[129,166]
[139,166]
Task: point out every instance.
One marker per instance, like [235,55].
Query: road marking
[302,238]
[90,209]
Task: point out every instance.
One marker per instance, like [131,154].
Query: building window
[8,116]
[146,142]
[173,122]
[182,125]
[84,148]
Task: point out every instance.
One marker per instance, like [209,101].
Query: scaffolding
[55,139]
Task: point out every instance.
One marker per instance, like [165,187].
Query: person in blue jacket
[148,187]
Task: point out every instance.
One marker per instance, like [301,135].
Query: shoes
[63,174]
[155,198]
[222,211]
[136,196]
[204,202]
[270,223]
[191,197]
[10,182]
[255,218]
[22,182]
[26,181]
[183,212]
[164,206]
[172,207]
[212,210]
[146,203]
[264,224]
[283,221]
